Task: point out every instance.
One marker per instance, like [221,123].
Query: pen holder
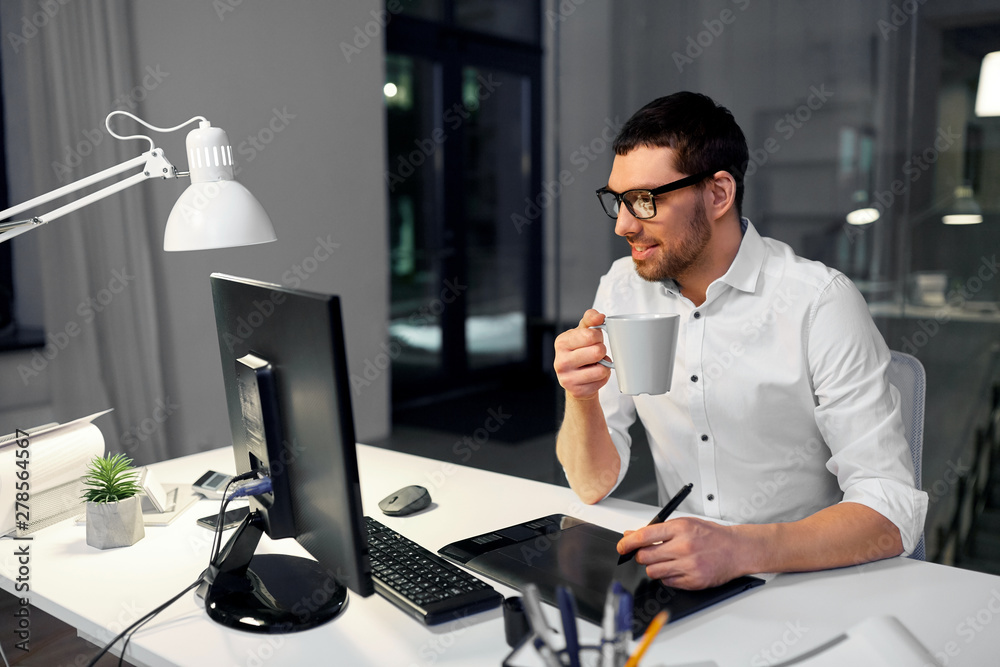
[515,623]
[526,655]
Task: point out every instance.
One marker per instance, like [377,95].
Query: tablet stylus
[661,516]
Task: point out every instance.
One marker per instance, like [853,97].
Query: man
[779,413]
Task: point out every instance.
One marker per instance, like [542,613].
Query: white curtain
[65,67]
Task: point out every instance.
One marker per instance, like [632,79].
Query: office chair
[906,374]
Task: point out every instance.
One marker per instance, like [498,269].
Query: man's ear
[720,194]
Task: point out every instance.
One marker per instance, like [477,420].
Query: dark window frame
[7,323]
[12,336]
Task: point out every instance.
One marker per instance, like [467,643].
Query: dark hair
[703,135]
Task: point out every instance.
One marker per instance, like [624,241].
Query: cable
[107,124]
[217,540]
[141,621]
[4,656]
[128,638]
[256,487]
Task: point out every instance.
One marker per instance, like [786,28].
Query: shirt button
[711,496]
[704,438]
[694,378]
[697,314]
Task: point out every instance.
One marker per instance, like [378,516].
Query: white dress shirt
[779,403]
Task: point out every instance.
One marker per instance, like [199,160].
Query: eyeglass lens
[639,203]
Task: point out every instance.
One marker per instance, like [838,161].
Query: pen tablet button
[517,533]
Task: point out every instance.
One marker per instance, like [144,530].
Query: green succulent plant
[110,479]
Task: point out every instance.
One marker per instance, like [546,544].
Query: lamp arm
[154,163]
[73,187]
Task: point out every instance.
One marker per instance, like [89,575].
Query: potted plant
[114,512]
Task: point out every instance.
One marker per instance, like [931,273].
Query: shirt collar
[745,269]
[743,272]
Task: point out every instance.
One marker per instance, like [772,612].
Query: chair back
[907,375]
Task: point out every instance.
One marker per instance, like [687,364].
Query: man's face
[671,242]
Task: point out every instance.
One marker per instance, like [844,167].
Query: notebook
[559,550]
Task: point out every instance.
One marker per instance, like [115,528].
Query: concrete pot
[117,524]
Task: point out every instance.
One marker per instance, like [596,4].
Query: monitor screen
[288,396]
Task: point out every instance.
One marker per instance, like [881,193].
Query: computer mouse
[407,500]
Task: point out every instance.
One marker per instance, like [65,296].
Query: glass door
[463,115]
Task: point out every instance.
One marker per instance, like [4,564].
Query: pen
[651,631]
[536,618]
[548,657]
[661,516]
[623,624]
[567,607]
[609,627]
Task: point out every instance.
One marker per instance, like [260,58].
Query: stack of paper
[56,460]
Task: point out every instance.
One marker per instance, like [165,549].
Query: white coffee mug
[643,347]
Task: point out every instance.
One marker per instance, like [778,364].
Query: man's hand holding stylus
[689,553]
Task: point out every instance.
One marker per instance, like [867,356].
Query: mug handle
[607,364]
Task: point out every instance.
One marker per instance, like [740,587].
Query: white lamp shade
[962,219]
[217,214]
[988,94]
[965,210]
[863,216]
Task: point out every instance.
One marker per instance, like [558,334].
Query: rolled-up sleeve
[858,411]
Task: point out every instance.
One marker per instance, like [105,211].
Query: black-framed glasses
[642,203]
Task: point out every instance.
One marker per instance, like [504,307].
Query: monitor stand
[268,593]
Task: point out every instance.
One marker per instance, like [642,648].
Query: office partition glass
[863,136]
[414,177]
[497,181]
[512,19]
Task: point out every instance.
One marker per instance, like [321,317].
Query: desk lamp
[215,211]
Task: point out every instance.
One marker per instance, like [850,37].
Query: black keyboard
[421,583]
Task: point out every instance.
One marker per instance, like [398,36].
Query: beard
[687,250]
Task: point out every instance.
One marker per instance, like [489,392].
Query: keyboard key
[420,582]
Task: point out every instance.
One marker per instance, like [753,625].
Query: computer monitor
[288,397]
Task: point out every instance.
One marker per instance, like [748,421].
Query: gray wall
[581,237]
[320,177]
[276,72]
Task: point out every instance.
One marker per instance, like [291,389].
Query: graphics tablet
[559,550]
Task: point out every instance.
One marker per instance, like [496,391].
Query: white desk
[955,613]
